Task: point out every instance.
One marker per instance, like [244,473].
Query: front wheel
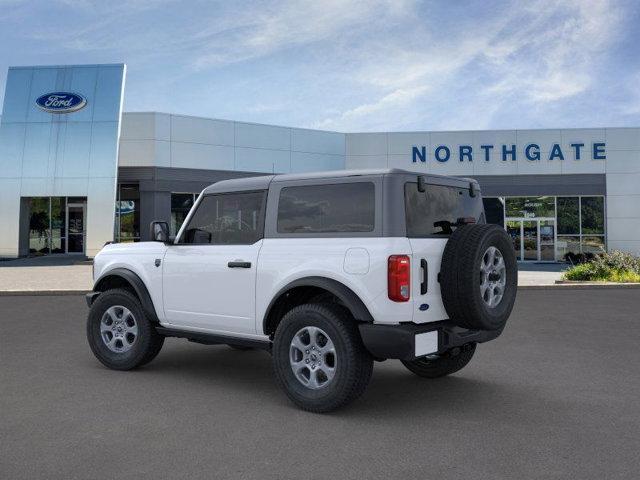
[319,359]
[445,364]
[119,333]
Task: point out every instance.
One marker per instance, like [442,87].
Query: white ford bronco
[327,271]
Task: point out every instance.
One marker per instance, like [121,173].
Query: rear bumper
[410,341]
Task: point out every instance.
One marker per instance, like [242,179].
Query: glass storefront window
[547,240]
[39,227]
[530,239]
[514,206]
[568,216]
[593,244]
[127,228]
[592,212]
[181,203]
[580,225]
[530,207]
[48,228]
[514,231]
[58,225]
[567,244]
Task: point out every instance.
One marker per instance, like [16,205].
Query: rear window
[437,210]
[343,207]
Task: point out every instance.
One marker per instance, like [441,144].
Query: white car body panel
[284,260]
[140,258]
[201,291]
[431,250]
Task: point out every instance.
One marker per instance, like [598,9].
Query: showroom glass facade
[127,223]
[52,151]
[128,212]
[56,225]
[547,228]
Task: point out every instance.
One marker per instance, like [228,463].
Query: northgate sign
[531,152]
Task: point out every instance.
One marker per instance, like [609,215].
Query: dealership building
[76,171]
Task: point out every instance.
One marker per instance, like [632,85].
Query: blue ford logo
[61,102]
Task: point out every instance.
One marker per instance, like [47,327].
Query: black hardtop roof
[263,182]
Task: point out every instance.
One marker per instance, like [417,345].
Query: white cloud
[398,98]
[550,57]
[349,64]
[286,24]
[534,55]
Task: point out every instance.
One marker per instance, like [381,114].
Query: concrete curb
[9,293]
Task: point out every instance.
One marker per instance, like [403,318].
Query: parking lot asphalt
[556,396]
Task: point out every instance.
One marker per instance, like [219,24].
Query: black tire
[445,364]
[461,277]
[146,345]
[240,348]
[353,364]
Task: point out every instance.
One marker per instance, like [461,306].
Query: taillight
[398,278]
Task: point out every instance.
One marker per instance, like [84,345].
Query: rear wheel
[319,359]
[119,333]
[442,365]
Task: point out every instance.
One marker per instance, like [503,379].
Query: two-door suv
[328,271]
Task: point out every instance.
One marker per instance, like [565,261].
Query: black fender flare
[136,283]
[347,296]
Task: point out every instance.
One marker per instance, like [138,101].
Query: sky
[349,65]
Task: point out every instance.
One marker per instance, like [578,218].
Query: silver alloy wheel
[118,329]
[312,356]
[493,277]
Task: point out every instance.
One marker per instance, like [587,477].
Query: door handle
[425,276]
[239,264]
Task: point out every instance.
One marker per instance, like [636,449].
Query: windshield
[438,209]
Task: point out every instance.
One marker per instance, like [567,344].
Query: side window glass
[330,208]
[227,219]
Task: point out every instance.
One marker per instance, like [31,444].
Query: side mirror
[159,231]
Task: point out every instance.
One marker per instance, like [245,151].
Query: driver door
[209,275]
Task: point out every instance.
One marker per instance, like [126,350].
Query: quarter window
[227,219]
[342,207]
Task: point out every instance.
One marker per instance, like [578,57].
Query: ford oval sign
[61,102]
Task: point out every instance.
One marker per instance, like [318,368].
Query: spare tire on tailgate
[479,277]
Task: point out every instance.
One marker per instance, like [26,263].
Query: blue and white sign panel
[61,102]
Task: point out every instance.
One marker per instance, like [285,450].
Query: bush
[615,266]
